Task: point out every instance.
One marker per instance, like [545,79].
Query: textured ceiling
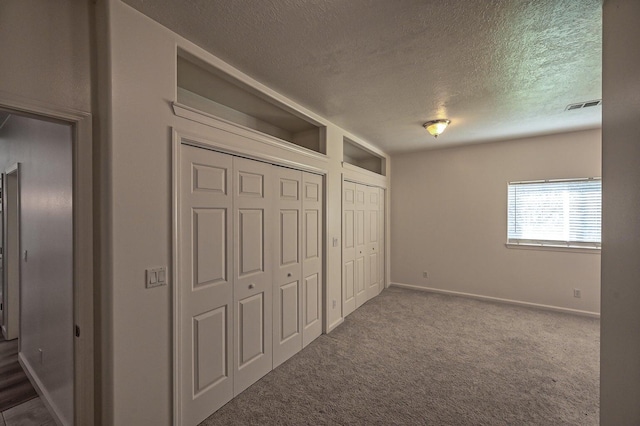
[499,69]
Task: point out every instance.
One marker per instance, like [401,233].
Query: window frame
[553,245]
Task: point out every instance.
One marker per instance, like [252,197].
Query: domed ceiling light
[435,127]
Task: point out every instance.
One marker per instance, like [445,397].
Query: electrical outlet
[425,275]
[577,293]
[334,304]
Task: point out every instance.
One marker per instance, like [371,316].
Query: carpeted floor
[417,358]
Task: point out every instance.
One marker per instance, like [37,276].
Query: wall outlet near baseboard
[425,275]
[577,293]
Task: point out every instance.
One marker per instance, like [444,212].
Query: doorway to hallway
[36,157]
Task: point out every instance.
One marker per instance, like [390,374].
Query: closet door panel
[289,319]
[253,281]
[312,257]
[373,240]
[382,251]
[361,258]
[287,300]
[348,247]
[205,286]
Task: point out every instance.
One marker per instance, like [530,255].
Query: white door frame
[2,249]
[11,327]
[180,137]
[83,243]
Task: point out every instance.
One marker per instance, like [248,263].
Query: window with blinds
[564,213]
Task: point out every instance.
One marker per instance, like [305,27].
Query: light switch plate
[155,277]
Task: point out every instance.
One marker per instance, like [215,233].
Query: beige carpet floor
[416,358]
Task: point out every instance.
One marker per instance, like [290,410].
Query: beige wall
[45,50]
[449,218]
[620,350]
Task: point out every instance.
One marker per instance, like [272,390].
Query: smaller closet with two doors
[362,243]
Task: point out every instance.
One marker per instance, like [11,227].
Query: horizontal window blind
[566,212]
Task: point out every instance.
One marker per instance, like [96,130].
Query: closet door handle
[289,274]
[252,285]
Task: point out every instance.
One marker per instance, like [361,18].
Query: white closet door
[361,258]
[287,290]
[382,251]
[253,279]
[312,257]
[372,235]
[348,247]
[206,293]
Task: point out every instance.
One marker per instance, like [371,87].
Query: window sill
[551,247]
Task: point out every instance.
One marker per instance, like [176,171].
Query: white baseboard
[497,299]
[333,325]
[37,384]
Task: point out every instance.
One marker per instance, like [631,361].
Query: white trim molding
[40,390]
[500,300]
[359,175]
[552,247]
[209,120]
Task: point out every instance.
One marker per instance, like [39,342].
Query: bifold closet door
[250,285]
[312,257]
[361,258]
[372,235]
[382,252]
[362,244]
[253,275]
[287,293]
[206,292]
[348,247]
[297,299]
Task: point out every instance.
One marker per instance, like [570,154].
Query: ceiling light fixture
[435,127]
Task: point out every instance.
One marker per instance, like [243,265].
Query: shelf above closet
[204,88]
[356,155]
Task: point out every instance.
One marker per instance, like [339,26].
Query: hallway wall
[43,150]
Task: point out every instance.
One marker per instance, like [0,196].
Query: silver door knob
[252,285]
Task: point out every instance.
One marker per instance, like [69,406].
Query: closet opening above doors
[210,91]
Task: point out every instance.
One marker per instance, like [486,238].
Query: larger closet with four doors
[250,276]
